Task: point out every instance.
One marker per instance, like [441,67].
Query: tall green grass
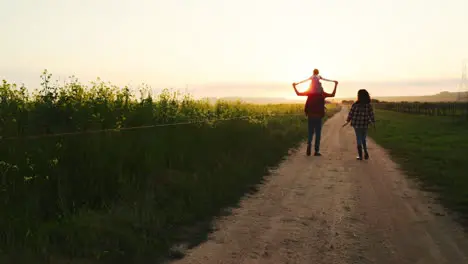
[432,149]
[123,195]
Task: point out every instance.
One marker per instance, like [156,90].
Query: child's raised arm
[306,93]
[333,93]
[310,78]
[327,80]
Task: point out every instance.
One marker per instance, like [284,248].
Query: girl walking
[361,116]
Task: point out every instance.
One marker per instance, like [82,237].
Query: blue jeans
[361,135]
[315,126]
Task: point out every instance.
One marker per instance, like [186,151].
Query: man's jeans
[315,126]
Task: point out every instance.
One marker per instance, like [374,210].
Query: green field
[435,98]
[433,149]
[126,194]
[431,109]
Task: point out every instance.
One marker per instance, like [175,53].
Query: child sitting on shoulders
[315,87]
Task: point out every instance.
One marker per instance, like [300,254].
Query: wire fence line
[191,122]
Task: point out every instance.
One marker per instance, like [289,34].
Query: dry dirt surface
[334,209]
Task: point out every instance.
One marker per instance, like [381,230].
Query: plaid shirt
[361,115]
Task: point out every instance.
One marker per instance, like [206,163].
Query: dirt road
[334,209]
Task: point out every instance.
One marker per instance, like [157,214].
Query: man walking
[315,109]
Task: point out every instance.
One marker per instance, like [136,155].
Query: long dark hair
[363,97]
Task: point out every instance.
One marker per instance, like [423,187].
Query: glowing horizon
[204,42]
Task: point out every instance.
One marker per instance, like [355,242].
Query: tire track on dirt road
[334,209]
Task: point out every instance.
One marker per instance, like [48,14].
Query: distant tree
[346,102]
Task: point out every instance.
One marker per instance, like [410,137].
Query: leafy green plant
[124,194]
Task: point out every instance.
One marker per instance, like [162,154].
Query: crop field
[432,149]
[92,172]
[423,108]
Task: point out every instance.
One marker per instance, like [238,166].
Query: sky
[239,47]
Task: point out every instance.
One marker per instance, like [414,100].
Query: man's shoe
[308,150]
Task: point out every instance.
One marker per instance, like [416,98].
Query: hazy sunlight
[171,44]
